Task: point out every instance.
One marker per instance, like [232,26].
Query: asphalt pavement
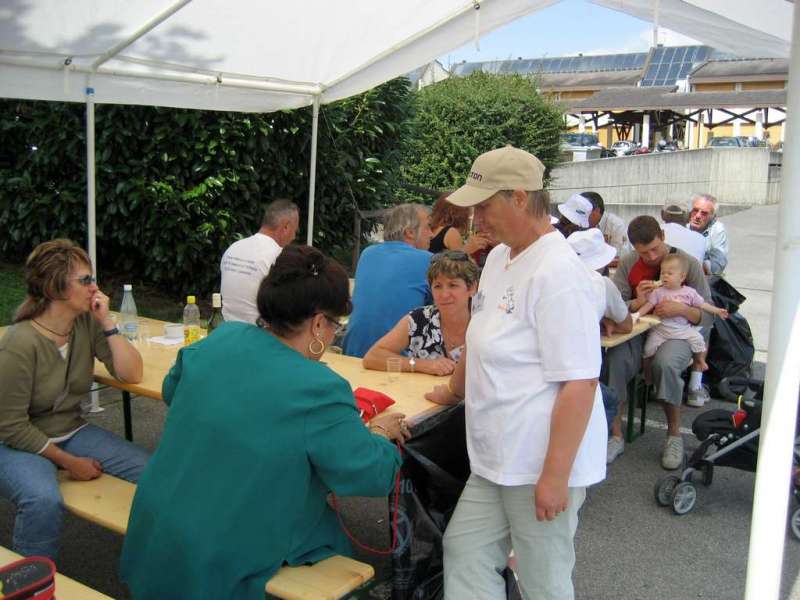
[628,547]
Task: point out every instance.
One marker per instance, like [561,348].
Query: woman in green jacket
[258,432]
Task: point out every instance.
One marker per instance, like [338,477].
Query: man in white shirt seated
[247,261]
[678,235]
[703,219]
[611,226]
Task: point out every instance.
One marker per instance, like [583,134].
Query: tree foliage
[175,187]
[460,118]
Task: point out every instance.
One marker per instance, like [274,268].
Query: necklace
[51,330]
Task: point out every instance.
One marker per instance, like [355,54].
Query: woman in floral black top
[430,339]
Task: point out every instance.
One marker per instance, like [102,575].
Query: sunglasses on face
[86,280]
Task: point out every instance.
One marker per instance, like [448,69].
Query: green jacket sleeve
[348,459]
[16,429]
[171,379]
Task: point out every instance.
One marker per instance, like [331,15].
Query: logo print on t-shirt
[507,301]
[477,302]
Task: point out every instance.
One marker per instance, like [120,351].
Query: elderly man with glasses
[703,219]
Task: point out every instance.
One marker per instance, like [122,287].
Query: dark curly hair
[302,282]
[444,213]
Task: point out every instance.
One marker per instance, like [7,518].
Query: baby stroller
[728,439]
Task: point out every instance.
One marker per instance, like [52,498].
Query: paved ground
[628,548]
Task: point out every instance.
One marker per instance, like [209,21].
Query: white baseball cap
[591,248]
[576,209]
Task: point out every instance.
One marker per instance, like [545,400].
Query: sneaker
[698,397]
[616,446]
[672,455]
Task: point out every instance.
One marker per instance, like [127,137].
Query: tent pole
[93,404]
[768,525]
[312,184]
[90,178]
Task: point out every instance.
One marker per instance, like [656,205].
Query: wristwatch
[412,364]
[109,332]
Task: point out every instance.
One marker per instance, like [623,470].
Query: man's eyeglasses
[86,280]
[457,255]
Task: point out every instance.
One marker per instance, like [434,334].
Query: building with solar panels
[686,95]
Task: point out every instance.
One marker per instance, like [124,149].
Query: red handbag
[31,578]
[371,402]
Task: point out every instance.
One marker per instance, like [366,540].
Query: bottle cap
[190,300]
[216,300]
[127,287]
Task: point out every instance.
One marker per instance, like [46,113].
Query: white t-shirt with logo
[534,325]
[243,266]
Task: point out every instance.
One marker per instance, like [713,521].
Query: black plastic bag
[434,472]
[724,295]
[730,345]
[730,348]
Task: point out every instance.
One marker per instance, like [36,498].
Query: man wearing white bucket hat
[535,425]
[592,249]
[574,214]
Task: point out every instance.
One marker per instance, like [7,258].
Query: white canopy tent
[257,56]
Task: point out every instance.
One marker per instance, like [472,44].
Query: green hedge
[460,118]
[176,187]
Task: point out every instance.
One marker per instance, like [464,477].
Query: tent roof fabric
[775,68]
[245,55]
[665,98]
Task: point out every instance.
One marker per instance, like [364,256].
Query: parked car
[724,141]
[578,141]
[665,146]
[642,150]
[624,147]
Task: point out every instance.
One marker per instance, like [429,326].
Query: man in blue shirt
[391,278]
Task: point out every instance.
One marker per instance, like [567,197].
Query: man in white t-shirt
[678,235]
[536,433]
[612,227]
[246,262]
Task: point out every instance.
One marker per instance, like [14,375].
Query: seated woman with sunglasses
[431,338]
[46,366]
[259,430]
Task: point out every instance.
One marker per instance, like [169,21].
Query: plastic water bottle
[128,317]
[216,313]
[191,321]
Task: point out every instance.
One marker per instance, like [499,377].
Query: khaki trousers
[488,522]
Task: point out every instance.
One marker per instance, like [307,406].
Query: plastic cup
[394,366]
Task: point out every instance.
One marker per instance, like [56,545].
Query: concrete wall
[736,176]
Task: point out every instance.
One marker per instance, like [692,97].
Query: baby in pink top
[673,274]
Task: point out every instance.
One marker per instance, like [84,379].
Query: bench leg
[126,412]
[637,393]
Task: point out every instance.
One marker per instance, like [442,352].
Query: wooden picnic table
[407,390]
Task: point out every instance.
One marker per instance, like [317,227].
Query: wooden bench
[107,501]
[66,588]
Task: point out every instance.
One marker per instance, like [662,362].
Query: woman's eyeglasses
[86,280]
[335,322]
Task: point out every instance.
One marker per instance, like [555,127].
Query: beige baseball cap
[506,168]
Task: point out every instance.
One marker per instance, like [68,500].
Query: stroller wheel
[665,488]
[794,523]
[683,497]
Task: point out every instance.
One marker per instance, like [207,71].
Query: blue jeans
[610,403]
[29,481]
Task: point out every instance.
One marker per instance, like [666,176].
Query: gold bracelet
[450,389]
